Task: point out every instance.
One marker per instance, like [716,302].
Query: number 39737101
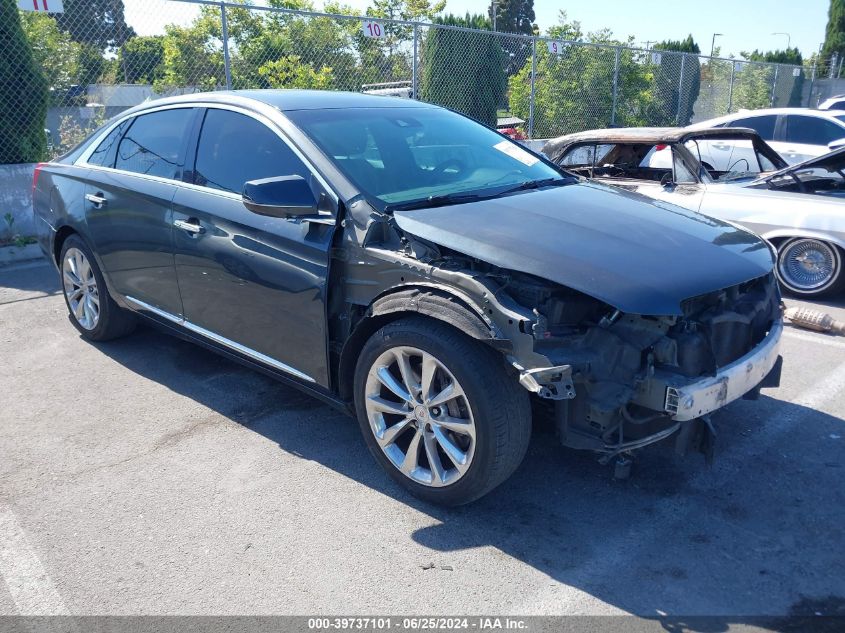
[372,29]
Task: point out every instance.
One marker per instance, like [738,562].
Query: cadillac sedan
[415,269]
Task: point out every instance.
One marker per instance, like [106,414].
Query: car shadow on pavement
[757,533]
[28,280]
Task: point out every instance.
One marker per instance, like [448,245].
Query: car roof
[645,135]
[287,100]
[744,114]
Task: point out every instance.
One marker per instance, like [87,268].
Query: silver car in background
[799,209]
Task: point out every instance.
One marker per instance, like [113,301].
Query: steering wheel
[452,167]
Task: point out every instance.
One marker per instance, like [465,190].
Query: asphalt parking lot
[149,476]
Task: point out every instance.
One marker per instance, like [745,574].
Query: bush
[23,107]
[473,84]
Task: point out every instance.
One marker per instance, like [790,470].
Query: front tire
[90,308]
[808,267]
[440,411]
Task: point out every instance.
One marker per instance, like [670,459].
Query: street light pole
[713,43]
[788,38]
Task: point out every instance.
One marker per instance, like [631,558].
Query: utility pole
[713,42]
[493,12]
[788,38]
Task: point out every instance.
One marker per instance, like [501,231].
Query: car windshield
[401,157]
[822,180]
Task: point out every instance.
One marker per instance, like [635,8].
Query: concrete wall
[16,198]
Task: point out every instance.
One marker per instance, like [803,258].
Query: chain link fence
[542,86]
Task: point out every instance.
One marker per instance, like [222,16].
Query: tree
[23,106]
[677,83]
[834,39]
[289,72]
[514,16]
[574,88]
[100,23]
[141,60]
[471,84]
[788,86]
[53,50]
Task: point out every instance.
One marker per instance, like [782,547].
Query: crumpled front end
[620,381]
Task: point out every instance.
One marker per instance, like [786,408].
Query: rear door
[132,181]
[253,283]
[726,155]
[806,137]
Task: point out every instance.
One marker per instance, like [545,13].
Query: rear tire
[458,437]
[811,268]
[90,307]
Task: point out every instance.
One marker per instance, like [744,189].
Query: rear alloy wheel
[80,285]
[440,412]
[809,267]
[92,311]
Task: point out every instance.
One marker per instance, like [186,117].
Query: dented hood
[638,255]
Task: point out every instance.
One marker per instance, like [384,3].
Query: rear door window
[763,125]
[235,148]
[155,144]
[809,130]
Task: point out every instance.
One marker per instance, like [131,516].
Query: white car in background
[797,134]
[836,102]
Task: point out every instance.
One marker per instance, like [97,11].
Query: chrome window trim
[260,118]
[222,340]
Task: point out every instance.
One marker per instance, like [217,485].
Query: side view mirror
[668,180]
[280,197]
[837,144]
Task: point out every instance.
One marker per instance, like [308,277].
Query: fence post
[226,63]
[775,84]
[615,87]
[680,89]
[812,81]
[533,82]
[731,88]
[414,66]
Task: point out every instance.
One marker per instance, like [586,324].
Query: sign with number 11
[44,6]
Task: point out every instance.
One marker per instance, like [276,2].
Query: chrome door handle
[96,199]
[189,226]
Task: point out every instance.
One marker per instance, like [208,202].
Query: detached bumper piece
[685,401]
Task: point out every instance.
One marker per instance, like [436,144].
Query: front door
[255,284]
[128,199]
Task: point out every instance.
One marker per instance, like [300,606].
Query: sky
[745,24]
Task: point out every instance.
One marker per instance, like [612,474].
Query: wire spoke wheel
[80,287]
[420,416]
[808,265]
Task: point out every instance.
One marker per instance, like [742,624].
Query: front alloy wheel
[80,288]
[809,267]
[442,413]
[420,417]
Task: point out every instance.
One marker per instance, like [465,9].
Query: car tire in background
[442,413]
[808,267]
[90,307]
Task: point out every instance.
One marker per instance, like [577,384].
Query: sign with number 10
[373,29]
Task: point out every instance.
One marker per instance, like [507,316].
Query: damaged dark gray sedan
[416,269]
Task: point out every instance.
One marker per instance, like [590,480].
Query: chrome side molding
[221,340]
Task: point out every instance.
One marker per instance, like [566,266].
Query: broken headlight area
[618,382]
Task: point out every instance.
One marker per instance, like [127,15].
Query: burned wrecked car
[416,269]
[731,174]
